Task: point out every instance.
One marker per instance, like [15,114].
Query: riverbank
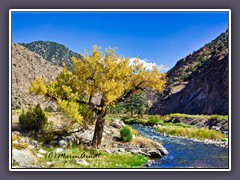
[74,151]
[218,143]
[186,153]
[76,157]
[214,122]
[182,130]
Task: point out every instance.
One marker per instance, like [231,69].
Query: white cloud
[149,65]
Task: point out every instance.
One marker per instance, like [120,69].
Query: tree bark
[97,137]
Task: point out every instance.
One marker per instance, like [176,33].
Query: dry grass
[191,132]
[134,132]
[17,143]
[141,142]
[200,116]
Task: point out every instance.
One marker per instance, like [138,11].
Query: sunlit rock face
[198,83]
[26,66]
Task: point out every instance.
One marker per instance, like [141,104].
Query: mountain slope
[53,52]
[198,83]
[26,66]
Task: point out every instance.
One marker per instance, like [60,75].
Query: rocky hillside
[198,83]
[53,52]
[26,66]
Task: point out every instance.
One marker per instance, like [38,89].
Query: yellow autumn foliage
[107,77]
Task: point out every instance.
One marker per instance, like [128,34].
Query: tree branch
[131,91]
[81,102]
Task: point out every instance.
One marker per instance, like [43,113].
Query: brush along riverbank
[74,151]
[167,127]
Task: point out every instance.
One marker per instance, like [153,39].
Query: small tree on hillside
[135,104]
[105,79]
[117,109]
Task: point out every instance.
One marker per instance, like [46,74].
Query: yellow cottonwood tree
[104,79]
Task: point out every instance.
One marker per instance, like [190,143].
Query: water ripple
[184,153]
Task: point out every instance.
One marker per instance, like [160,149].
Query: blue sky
[155,37]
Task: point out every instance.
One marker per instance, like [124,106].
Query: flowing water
[184,153]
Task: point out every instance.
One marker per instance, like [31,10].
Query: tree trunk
[97,137]
[131,113]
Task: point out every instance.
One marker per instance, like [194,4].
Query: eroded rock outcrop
[26,66]
[198,83]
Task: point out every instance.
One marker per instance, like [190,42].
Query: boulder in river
[159,147]
[154,154]
[150,163]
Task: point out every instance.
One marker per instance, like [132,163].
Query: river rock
[154,154]
[117,123]
[58,150]
[67,141]
[150,163]
[16,133]
[23,157]
[50,163]
[70,138]
[35,144]
[216,128]
[121,150]
[82,162]
[225,132]
[16,142]
[107,131]
[159,147]
[63,143]
[85,137]
[133,151]
[108,151]
[39,155]
[144,153]
[31,147]
[41,151]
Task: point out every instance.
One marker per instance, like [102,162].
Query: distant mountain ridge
[198,83]
[53,52]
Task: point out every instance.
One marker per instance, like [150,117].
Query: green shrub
[221,46]
[34,120]
[185,77]
[181,124]
[192,69]
[219,117]
[49,109]
[126,134]
[47,135]
[154,120]
[203,59]
[224,139]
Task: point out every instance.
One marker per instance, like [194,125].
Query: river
[184,153]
